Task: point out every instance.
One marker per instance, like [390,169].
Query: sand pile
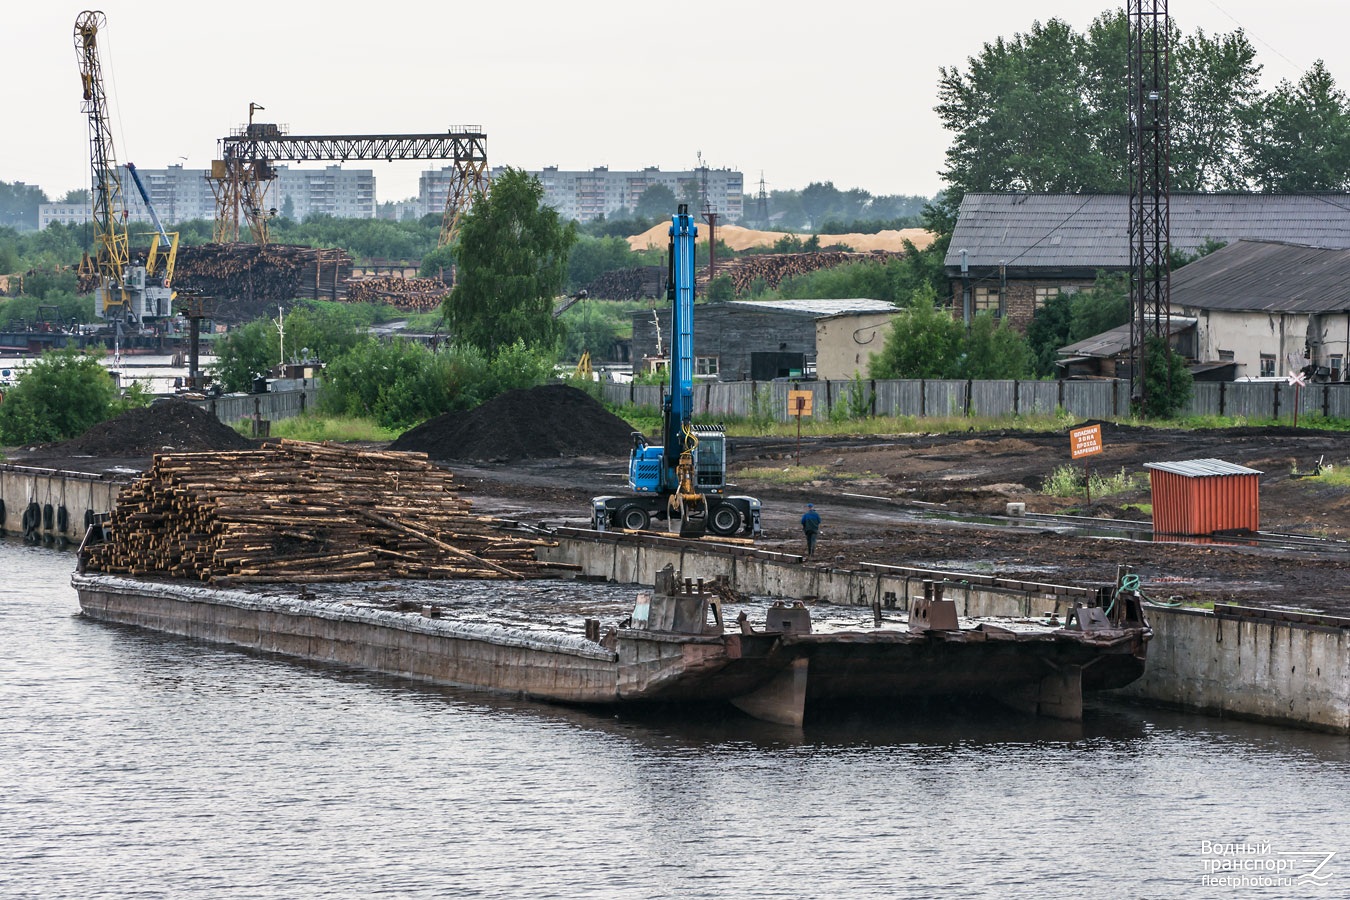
[738,238]
[161,426]
[538,423]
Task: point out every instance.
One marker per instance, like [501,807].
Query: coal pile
[538,423]
[165,425]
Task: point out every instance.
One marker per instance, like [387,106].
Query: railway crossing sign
[1297,379]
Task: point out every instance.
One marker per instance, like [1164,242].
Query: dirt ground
[886,499]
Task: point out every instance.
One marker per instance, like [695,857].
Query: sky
[841,91]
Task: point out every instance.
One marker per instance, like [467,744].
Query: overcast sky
[838,91]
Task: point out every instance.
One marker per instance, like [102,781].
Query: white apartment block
[589,194]
[181,194]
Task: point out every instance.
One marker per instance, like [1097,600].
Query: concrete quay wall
[77,493]
[1289,672]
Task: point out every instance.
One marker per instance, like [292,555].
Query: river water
[139,765]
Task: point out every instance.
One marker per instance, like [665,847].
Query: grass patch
[1067,481]
[785,474]
[309,427]
[1145,508]
[1331,476]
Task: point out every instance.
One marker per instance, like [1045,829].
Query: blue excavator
[682,480]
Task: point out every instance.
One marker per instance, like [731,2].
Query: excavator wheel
[632,517]
[724,520]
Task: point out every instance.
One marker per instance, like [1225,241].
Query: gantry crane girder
[244,171]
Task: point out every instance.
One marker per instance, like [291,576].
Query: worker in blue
[811,527]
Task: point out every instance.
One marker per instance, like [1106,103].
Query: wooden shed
[1204,496]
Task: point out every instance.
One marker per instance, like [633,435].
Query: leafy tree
[245,353]
[721,288]
[1066,318]
[592,257]
[437,263]
[58,397]
[655,202]
[924,342]
[1167,381]
[512,256]
[1213,85]
[1299,136]
[994,349]
[76,195]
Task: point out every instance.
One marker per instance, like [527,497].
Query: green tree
[512,254]
[1167,381]
[58,397]
[245,353]
[592,257]
[924,342]
[656,201]
[1298,137]
[994,349]
[1066,318]
[721,288]
[438,263]
[1213,87]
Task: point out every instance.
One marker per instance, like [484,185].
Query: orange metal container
[1204,496]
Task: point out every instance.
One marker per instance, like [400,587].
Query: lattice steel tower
[1150,184]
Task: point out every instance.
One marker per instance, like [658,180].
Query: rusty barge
[686,641]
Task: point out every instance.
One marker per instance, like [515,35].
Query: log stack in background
[774,268]
[305,513]
[249,272]
[409,294]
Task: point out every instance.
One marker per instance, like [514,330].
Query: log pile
[774,268]
[305,513]
[271,273]
[410,294]
[636,283]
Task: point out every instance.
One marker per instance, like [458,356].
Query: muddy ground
[883,499]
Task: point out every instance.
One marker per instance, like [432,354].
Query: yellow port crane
[124,291]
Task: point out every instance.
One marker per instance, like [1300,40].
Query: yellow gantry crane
[124,291]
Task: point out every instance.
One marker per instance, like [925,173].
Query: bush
[59,397]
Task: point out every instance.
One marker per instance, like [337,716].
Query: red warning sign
[1085,441]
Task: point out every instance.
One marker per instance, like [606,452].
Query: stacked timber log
[275,272]
[774,268]
[305,513]
[636,283]
[410,294]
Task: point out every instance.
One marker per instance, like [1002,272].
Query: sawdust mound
[538,423]
[738,238]
[165,425]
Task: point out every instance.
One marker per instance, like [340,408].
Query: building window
[1267,365]
[705,365]
[1337,363]
[987,298]
[1226,356]
[1043,295]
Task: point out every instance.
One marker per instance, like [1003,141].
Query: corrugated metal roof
[1261,276]
[1091,231]
[1199,468]
[1117,340]
[819,308]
